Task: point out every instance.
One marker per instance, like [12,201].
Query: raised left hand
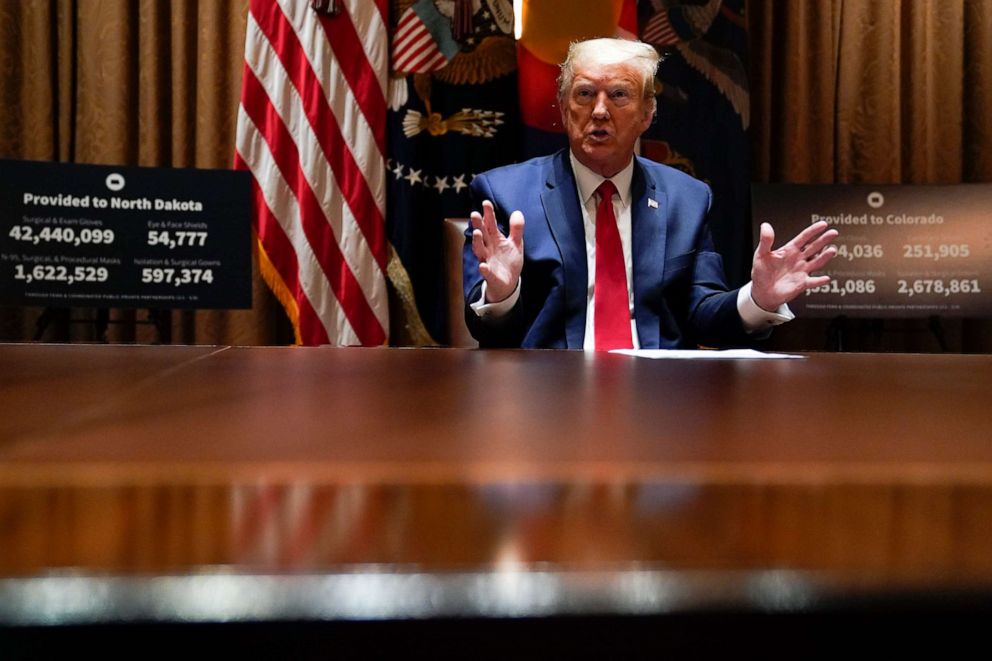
[778,276]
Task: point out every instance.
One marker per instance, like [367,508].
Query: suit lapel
[564,217]
[649,213]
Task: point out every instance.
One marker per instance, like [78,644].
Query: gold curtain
[881,91]
[133,82]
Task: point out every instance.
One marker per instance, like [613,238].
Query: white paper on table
[725,354]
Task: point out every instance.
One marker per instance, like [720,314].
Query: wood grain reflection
[897,532]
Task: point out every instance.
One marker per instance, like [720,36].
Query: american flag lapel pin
[652,204]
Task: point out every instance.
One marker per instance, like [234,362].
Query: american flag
[414,49]
[659,30]
[422,42]
[311,130]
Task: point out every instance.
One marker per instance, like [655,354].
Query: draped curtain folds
[884,91]
[870,91]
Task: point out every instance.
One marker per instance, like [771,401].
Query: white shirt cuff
[756,318]
[499,308]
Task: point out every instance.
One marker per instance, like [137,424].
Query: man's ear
[648,118]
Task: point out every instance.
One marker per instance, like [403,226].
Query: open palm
[778,276]
[501,258]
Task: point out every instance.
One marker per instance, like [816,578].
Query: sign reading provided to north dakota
[109,236]
[903,251]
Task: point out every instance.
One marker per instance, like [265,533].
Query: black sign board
[112,236]
[903,251]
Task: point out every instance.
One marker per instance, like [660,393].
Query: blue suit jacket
[680,295]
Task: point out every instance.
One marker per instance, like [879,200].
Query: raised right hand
[501,258]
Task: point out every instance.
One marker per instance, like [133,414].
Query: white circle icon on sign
[115,181]
[875,199]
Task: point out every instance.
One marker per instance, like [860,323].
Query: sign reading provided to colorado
[108,236]
[903,251]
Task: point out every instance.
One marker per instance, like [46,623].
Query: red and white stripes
[659,30]
[311,130]
[414,48]
[299,525]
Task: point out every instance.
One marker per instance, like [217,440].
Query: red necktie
[612,309]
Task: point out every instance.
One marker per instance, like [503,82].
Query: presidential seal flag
[452,114]
[311,130]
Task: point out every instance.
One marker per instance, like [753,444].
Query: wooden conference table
[153,486]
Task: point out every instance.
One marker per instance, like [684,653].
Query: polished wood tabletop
[868,471]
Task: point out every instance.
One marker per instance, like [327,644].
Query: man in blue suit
[559,280]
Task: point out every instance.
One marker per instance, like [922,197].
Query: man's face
[604,113]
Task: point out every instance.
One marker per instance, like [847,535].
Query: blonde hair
[643,57]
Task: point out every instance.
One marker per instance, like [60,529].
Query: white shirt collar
[588,181]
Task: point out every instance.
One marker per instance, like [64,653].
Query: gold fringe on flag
[275,282]
[413,324]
